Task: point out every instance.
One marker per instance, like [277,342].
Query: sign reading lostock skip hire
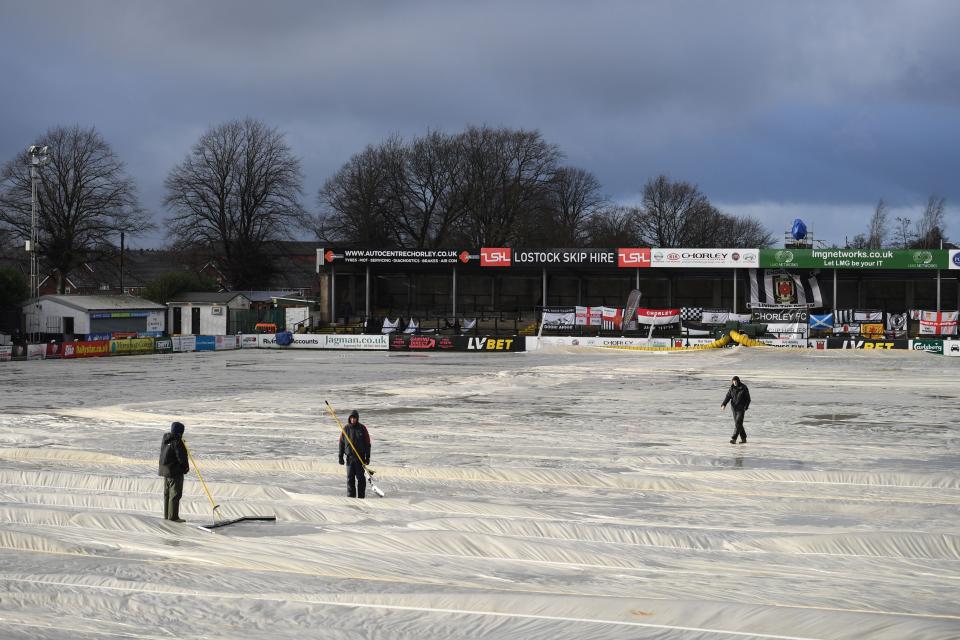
[853,258]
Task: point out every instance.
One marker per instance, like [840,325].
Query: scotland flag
[824,321]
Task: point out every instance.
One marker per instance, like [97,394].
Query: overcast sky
[775,109]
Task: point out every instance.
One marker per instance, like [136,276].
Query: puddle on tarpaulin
[833,417]
[748,462]
[264,529]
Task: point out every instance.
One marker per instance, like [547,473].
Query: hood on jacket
[354,414]
[176,428]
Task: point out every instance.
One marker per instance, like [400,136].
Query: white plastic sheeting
[558,494]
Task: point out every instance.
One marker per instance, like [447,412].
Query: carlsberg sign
[930,346]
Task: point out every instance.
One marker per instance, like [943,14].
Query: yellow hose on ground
[745,340]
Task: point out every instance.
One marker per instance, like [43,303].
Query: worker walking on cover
[739,398]
[174,464]
[359,444]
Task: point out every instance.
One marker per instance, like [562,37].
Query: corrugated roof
[93,303]
[268,296]
[213,297]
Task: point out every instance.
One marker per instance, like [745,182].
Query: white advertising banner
[955,258]
[359,341]
[184,343]
[248,341]
[951,347]
[705,258]
[155,320]
[791,343]
[225,343]
[6,353]
[36,351]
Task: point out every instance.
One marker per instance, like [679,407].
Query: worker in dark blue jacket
[359,438]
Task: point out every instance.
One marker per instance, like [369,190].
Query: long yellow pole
[196,468]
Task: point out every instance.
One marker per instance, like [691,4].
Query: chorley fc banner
[783,319]
[779,288]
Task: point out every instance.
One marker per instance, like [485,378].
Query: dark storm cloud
[771,108]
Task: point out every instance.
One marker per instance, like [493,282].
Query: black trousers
[172,492]
[738,423]
[356,481]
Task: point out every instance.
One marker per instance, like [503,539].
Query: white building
[204,314]
[75,316]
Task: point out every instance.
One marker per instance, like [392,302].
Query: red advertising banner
[634,257]
[495,257]
[86,349]
[54,350]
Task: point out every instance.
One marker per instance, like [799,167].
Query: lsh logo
[495,257]
[633,257]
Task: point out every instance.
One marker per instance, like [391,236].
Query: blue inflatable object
[284,338]
[799,230]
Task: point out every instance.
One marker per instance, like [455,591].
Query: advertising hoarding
[705,258]
[356,342]
[129,346]
[479,344]
[853,258]
[86,349]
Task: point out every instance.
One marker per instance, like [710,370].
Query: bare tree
[737,232]
[573,198]
[678,214]
[354,202]
[237,189]
[903,234]
[877,233]
[672,211]
[425,202]
[85,199]
[929,230]
[614,226]
[505,177]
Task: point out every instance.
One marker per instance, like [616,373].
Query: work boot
[177,520]
[734,441]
